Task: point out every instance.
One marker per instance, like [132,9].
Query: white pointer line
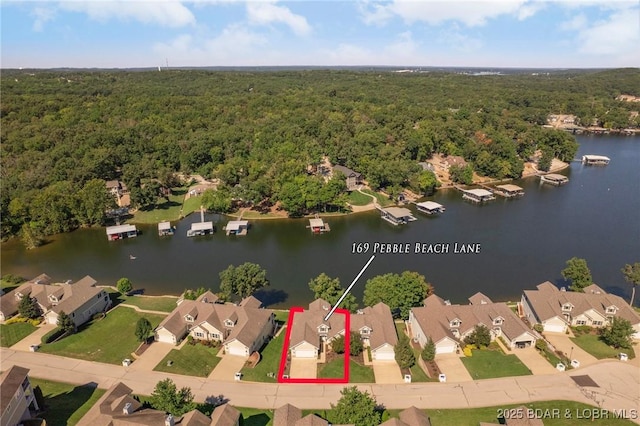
[364,268]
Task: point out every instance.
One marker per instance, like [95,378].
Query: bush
[124,285]
[403,353]
[541,344]
[16,319]
[53,335]
[337,345]
[468,350]
[539,328]
[12,279]
[35,322]
[429,351]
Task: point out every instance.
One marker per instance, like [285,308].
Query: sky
[417,33]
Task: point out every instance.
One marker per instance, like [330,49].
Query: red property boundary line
[285,350]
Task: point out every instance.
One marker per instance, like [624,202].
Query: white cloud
[578,22]
[170,13]
[265,13]
[618,34]
[433,12]
[458,41]
[42,16]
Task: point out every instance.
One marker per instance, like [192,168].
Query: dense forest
[66,132]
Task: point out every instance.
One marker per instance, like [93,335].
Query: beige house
[448,325]
[411,416]
[374,325]
[289,415]
[557,310]
[80,301]
[242,329]
[118,407]
[17,400]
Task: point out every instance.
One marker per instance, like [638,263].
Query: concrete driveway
[453,368]
[303,368]
[34,338]
[387,371]
[152,356]
[535,362]
[228,366]
[563,343]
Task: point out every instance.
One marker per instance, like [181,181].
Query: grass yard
[357,198]
[383,200]
[489,364]
[10,334]
[596,347]
[109,340]
[282,317]
[65,404]
[164,210]
[269,363]
[567,411]
[192,360]
[190,205]
[151,303]
[357,373]
[256,417]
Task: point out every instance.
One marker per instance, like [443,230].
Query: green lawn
[356,198]
[12,333]
[191,360]
[357,373]
[269,363]
[109,340]
[164,210]
[256,417]
[489,364]
[565,415]
[190,205]
[65,404]
[596,347]
[282,317]
[383,200]
[151,303]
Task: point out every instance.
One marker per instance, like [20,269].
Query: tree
[65,323]
[355,407]
[124,285]
[461,174]
[429,351]
[168,398]
[337,344]
[632,276]
[355,344]
[403,353]
[544,163]
[480,336]
[400,292]
[189,294]
[31,235]
[618,333]
[28,308]
[329,289]
[218,201]
[143,328]
[426,182]
[243,280]
[578,272]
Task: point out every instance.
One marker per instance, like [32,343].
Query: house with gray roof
[352,178]
[242,329]
[290,415]
[36,287]
[17,400]
[557,310]
[448,325]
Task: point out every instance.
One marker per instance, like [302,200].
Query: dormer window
[229,323]
[611,310]
[188,318]
[455,323]
[567,307]
[498,321]
[323,328]
[53,299]
[365,330]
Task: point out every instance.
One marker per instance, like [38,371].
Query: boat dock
[509,191]
[237,227]
[200,228]
[120,232]
[397,215]
[554,179]
[595,160]
[477,195]
[430,207]
[318,226]
[165,229]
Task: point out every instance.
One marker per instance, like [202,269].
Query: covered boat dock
[237,227]
[430,207]
[478,195]
[200,228]
[595,160]
[554,179]
[318,226]
[120,232]
[509,190]
[165,228]
[397,215]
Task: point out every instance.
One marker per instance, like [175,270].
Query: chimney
[168,421]
[127,409]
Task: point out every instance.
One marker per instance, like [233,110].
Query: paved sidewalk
[615,380]
[34,338]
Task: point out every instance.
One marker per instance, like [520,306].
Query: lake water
[523,242]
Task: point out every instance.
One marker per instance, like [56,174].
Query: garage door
[554,328]
[445,348]
[237,350]
[305,353]
[384,355]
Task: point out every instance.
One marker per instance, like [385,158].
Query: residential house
[80,300]
[411,416]
[17,400]
[374,325]
[9,301]
[119,191]
[289,415]
[352,178]
[242,329]
[557,310]
[448,325]
[118,407]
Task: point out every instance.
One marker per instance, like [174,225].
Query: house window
[455,323]
[228,323]
[199,334]
[566,307]
[106,298]
[215,336]
[497,321]
[611,310]
[581,322]
[189,318]
[597,323]
[366,331]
